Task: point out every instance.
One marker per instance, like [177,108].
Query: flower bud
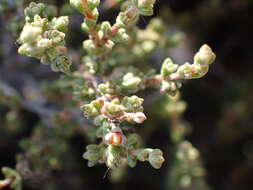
[92,109]
[98,103]
[46,11]
[114,110]
[31,50]
[44,43]
[199,70]
[61,63]
[168,67]
[32,10]
[156,158]
[132,104]
[56,36]
[185,71]
[30,33]
[121,36]
[61,23]
[106,88]
[24,49]
[122,20]
[130,81]
[205,56]
[170,87]
[139,117]
[40,22]
[115,137]
[78,4]
[105,27]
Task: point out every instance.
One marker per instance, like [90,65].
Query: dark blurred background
[220,105]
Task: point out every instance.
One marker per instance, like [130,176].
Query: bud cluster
[127,108]
[116,150]
[103,36]
[171,72]
[45,39]
[153,156]
[44,11]
[104,86]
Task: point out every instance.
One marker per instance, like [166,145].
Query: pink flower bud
[139,117]
[115,137]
